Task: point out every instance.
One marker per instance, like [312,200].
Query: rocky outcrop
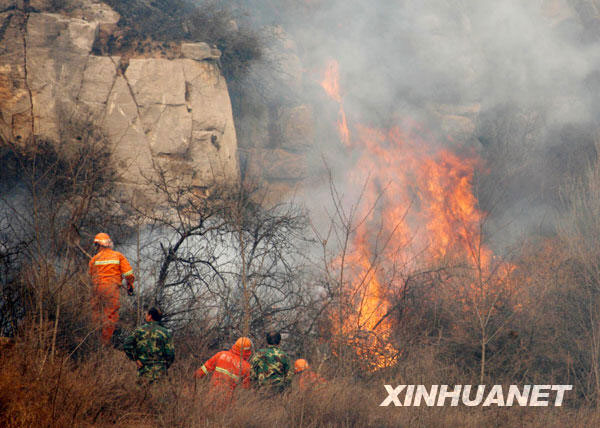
[276,127]
[175,114]
[199,51]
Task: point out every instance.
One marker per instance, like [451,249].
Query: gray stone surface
[172,113]
[98,78]
[213,131]
[57,53]
[15,106]
[296,128]
[121,111]
[156,81]
[62,35]
[170,136]
[278,165]
[199,51]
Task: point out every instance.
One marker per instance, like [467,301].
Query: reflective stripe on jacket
[108,267]
[228,368]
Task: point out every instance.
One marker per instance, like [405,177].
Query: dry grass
[102,390]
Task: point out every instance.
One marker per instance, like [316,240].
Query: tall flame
[427,207]
[331,86]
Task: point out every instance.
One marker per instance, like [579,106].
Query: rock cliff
[175,113]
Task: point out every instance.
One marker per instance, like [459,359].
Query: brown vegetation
[156,27]
[103,390]
[222,264]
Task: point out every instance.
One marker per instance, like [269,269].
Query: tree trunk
[246,292]
[483,349]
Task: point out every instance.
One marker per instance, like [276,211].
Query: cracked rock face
[172,113]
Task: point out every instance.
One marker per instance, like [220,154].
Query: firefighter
[305,378]
[271,366]
[107,270]
[151,347]
[229,369]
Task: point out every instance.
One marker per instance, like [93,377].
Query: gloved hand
[130,291]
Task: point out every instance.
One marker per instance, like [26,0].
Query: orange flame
[427,206]
[331,85]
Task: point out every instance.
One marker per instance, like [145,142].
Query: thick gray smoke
[517,80]
[531,54]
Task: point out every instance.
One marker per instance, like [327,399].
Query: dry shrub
[347,403]
[103,390]
[35,392]
[168,21]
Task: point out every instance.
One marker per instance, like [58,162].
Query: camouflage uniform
[152,345]
[270,367]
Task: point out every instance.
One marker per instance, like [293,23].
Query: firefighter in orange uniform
[306,379]
[230,369]
[107,270]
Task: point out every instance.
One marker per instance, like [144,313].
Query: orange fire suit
[107,268]
[309,380]
[229,369]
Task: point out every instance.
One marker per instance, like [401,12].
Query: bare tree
[49,190]
[359,270]
[580,230]
[222,256]
[268,238]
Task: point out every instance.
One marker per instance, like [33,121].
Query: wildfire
[427,207]
[331,86]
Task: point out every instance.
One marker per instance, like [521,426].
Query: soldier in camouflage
[151,347]
[271,366]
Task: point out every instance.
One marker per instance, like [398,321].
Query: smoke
[419,52]
[517,81]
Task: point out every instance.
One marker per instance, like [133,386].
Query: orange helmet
[103,239]
[300,365]
[243,347]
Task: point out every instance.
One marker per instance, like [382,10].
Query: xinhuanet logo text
[478,395]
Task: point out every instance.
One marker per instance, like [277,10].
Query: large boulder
[199,51]
[172,114]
